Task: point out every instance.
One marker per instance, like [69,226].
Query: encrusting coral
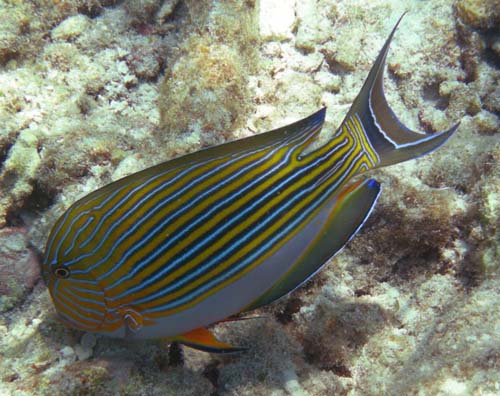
[221,57]
[92,91]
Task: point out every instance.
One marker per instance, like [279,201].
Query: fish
[201,239]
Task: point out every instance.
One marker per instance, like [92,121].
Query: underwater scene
[249,197]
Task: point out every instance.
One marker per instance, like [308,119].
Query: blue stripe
[368,140]
[62,223]
[70,226]
[77,234]
[235,219]
[74,311]
[179,212]
[192,167]
[80,298]
[240,191]
[253,256]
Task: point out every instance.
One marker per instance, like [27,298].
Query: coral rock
[19,267]
[482,14]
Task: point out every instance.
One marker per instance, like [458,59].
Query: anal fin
[341,218]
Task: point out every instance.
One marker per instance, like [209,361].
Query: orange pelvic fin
[204,340]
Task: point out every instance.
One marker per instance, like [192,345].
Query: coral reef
[87,102]
[93,90]
[19,268]
[24,25]
[221,56]
[479,14]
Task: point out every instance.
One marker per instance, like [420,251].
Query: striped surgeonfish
[167,251]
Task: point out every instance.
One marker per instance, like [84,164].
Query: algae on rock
[204,97]
[411,297]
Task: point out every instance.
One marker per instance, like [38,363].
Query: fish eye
[61,272]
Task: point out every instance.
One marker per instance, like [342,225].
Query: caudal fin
[371,116]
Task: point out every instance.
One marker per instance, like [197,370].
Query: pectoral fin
[204,340]
[341,219]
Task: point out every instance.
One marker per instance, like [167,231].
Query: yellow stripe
[228,236]
[236,258]
[238,205]
[195,212]
[367,147]
[179,224]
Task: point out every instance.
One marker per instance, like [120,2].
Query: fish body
[167,251]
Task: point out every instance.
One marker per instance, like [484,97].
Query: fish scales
[163,264]
[167,251]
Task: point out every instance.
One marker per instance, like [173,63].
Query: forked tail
[372,120]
